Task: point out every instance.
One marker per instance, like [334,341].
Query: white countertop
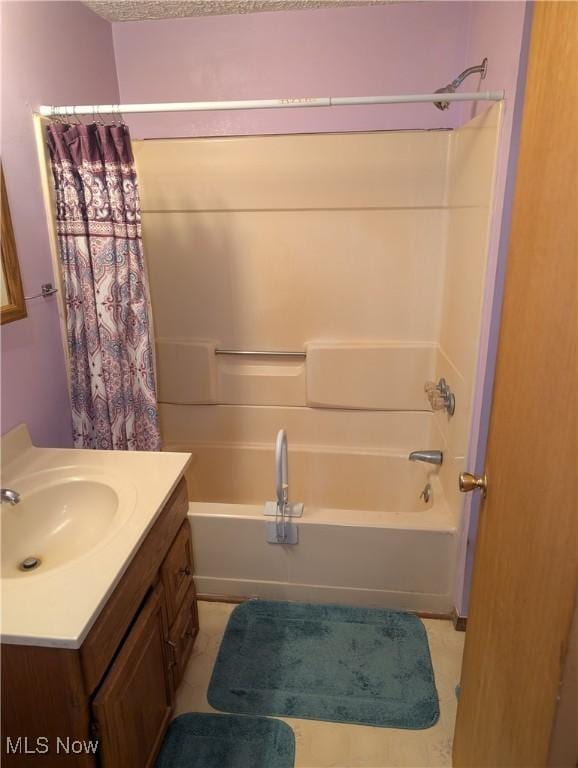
[58,607]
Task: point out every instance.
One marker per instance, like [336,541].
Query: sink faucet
[430,457]
[7,494]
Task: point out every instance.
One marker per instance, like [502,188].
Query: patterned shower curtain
[109,333]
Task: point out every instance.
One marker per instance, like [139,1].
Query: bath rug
[326,662]
[202,740]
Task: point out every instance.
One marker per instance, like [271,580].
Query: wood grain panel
[133,706]
[564,743]
[526,565]
[15,308]
[112,624]
[42,697]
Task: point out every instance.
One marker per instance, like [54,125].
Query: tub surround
[368,253]
[343,234]
[470,190]
[58,606]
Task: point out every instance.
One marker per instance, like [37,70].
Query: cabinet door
[133,706]
[182,635]
[177,570]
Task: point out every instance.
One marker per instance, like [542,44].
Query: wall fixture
[451,88]
[98,110]
[440,396]
[46,290]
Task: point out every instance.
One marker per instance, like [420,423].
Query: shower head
[446,89]
[455,84]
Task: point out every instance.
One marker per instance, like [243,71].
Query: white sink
[82,514]
[61,517]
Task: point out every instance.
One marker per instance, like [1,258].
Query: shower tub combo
[376,529]
[316,283]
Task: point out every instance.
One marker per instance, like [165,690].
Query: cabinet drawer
[182,635]
[177,571]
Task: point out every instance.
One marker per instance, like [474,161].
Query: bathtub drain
[30,563]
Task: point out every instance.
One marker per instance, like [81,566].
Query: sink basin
[81,518]
[59,519]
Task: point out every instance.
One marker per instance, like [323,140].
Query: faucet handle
[7,494]
[440,396]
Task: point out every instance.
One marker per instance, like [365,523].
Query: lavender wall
[404,47]
[504,28]
[60,53]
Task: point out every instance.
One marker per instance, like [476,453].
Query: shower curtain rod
[208,106]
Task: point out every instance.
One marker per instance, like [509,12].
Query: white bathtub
[365,538]
[393,560]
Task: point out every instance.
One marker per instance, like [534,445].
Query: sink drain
[30,563]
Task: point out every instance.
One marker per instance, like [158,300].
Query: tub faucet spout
[430,457]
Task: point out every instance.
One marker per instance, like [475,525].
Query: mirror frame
[16,308]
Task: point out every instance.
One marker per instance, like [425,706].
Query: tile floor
[337,745]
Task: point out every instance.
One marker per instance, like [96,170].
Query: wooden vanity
[119,686]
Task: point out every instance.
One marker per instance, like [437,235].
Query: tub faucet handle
[440,396]
[7,494]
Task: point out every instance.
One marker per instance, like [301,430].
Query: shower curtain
[109,334]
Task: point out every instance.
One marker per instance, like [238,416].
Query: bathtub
[366,536]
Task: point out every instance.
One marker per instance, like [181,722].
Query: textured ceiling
[138,10]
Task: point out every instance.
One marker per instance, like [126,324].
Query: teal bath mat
[199,740]
[326,662]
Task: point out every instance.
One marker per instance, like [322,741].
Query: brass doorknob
[469,482]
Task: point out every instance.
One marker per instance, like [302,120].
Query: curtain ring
[117,113]
[96,119]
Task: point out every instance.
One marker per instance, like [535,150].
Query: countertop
[58,607]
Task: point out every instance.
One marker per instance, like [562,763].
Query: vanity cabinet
[119,686]
[133,705]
